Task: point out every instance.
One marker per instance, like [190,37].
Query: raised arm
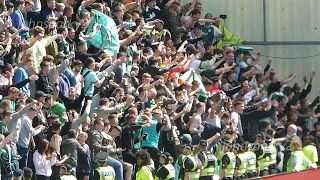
[8,138]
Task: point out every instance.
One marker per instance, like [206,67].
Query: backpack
[64,85]
[103,89]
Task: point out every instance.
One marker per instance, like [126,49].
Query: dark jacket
[96,144]
[171,22]
[7,167]
[72,104]
[249,121]
[72,148]
[84,162]
[156,70]
[43,84]
[82,56]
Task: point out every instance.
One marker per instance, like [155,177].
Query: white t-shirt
[194,64]
[216,121]
[4,80]
[235,117]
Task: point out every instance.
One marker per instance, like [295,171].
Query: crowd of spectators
[179,84]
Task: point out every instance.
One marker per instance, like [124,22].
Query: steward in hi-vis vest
[66,171]
[228,161]
[104,171]
[208,161]
[191,165]
[166,170]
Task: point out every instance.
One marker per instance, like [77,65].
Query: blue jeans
[23,152]
[117,166]
[4,177]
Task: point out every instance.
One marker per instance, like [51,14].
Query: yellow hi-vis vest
[208,164]
[230,168]
[243,165]
[144,173]
[263,160]
[170,169]
[295,158]
[272,151]
[195,171]
[251,162]
[106,173]
[68,177]
[228,38]
[163,33]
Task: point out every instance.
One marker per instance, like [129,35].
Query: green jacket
[3,127]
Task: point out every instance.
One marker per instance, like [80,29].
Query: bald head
[292,130]
[152,93]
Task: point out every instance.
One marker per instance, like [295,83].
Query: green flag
[202,91]
[107,36]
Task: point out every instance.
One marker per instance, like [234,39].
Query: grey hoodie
[72,147]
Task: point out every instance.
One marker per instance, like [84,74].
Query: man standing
[159,122]
[43,84]
[38,50]
[22,74]
[97,146]
[12,97]
[196,128]
[18,20]
[104,171]
[189,21]
[72,148]
[291,136]
[208,160]
[26,132]
[238,108]
[211,33]
[50,12]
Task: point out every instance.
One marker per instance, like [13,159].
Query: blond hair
[13,90]
[296,146]
[55,142]
[83,134]
[37,30]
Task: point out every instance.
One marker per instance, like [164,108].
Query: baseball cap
[186,138]
[39,94]
[165,155]
[187,146]
[27,172]
[67,167]
[261,135]
[203,142]
[160,21]
[208,15]
[102,156]
[17,173]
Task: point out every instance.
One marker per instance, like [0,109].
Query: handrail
[287,173]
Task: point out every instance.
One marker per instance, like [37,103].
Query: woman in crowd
[43,159]
[144,171]
[298,161]
[166,170]
[55,145]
